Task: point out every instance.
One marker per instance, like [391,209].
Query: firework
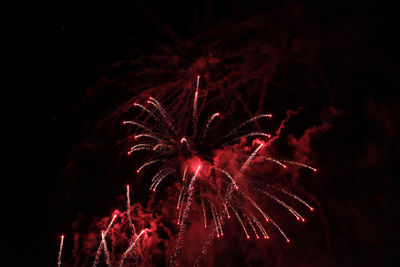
[105,249]
[103,243]
[60,251]
[178,152]
[128,210]
[130,248]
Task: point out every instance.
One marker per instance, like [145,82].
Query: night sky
[336,62]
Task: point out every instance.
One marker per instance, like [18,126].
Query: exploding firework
[219,188]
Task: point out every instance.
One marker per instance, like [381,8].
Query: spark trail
[131,247]
[60,251]
[128,210]
[98,252]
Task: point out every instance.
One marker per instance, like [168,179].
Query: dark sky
[93,57]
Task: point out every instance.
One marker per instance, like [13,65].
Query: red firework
[188,154]
[198,158]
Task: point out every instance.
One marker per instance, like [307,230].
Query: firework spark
[103,243]
[60,251]
[128,210]
[130,248]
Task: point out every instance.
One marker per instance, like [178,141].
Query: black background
[74,41]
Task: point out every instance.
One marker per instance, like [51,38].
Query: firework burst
[187,156]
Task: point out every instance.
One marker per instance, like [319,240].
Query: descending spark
[219,224]
[180,198]
[142,107]
[301,165]
[180,212]
[149,163]
[60,251]
[159,177]
[227,175]
[138,125]
[160,145]
[184,173]
[204,208]
[133,244]
[195,116]
[241,223]
[209,121]
[295,197]
[105,249]
[128,210]
[164,114]
[186,212]
[191,190]
[215,220]
[234,130]
[140,148]
[225,207]
[252,227]
[262,229]
[275,161]
[282,203]
[280,230]
[151,136]
[248,161]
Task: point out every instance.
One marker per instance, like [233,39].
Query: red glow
[315,170]
[284,166]
[62,236]
[229,217]
[123,122]
[257,237]
[135,137]
[297,218]
[137,171]
[304,220]
[267,219]
[127,186]
[248,237]
[311,208]
[198,76]
[287,240]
